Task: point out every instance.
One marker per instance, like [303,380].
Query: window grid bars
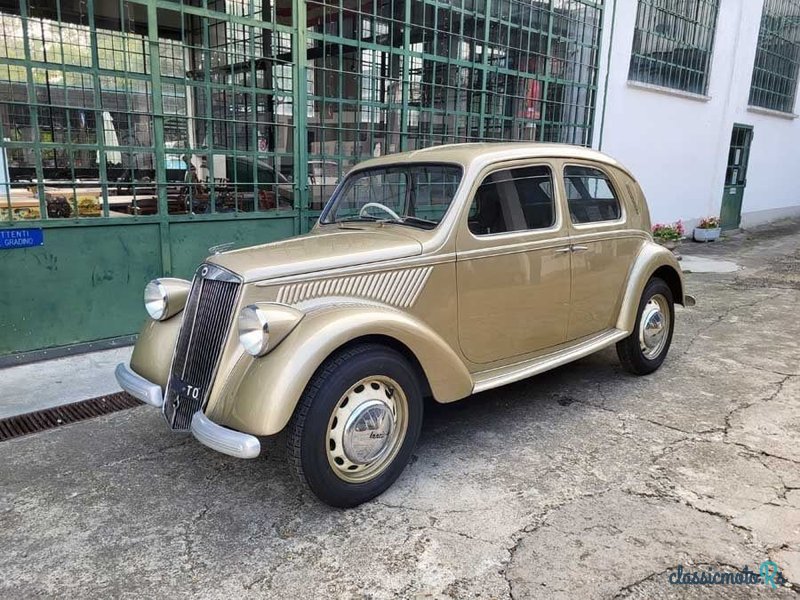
[673,42]
[775,72]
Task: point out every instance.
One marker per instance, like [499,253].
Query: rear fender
[651,260]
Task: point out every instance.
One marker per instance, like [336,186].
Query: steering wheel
[384,208]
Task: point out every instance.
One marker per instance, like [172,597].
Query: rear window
[590,195]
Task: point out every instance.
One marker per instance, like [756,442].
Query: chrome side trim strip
[222,439]
[517,248]
[592,236]
[137,386]
[493,378]
[429,260]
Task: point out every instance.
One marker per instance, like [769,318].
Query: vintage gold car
[439,272]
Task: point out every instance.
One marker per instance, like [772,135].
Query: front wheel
[644,350]
[356,424]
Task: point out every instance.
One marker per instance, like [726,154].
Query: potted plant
[668,235]
[707,230]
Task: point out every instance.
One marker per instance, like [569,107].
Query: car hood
[318,251]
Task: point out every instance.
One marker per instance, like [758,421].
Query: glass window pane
[590,195]
[417,195]
[514,200]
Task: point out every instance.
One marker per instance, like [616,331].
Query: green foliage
[671,232]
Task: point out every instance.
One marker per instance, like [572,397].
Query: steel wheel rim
[374,406]
[654,326]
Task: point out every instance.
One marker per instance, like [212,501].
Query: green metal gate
[139,133]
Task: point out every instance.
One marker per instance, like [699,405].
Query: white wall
[676,144]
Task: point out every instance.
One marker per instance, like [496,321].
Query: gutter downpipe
[608,71]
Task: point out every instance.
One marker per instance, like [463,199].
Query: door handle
[580,248]
[563,250]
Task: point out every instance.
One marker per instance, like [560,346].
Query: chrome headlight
[165,297]
[155,300]
[263,326]
[254,330]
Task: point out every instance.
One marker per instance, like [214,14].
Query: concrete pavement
[49,383]
[582,482]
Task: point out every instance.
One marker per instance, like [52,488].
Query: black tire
[309,425]
[629,350]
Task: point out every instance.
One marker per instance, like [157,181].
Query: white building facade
[699,99]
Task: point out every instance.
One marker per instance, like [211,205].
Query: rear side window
[590,195]
[517,199]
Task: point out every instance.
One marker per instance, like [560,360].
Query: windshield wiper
[412,221]
[420,220]
[408,220]
[355,219]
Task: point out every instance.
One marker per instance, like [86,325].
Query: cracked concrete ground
[583,482]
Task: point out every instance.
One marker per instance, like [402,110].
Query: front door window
[513,200]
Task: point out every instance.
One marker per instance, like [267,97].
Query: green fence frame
[85,282]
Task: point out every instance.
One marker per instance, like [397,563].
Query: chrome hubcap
[654,326]
[366,429]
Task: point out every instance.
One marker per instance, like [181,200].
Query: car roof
[490,152]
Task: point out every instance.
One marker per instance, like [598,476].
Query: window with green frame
[672,43]
[774,83]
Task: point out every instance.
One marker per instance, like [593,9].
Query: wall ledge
[772,113]
[660,89]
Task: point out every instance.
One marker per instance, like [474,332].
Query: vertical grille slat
[206,325]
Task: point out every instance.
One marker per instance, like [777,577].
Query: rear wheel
[356,424]
[644,350]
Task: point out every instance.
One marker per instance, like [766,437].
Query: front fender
[261,393]
[651,258]
[152,354]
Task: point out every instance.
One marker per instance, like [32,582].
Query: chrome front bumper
[216,437]
[138,387]
[222,439]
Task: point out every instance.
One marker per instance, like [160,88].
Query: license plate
[181,394]
[186,390]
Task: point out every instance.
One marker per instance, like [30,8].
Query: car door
[513,265]
[603,247]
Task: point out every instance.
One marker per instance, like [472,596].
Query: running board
[493,378]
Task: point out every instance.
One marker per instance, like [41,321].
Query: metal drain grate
[42,420]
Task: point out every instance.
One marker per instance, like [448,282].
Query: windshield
[413,195]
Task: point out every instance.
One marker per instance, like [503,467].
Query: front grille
[206,322]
